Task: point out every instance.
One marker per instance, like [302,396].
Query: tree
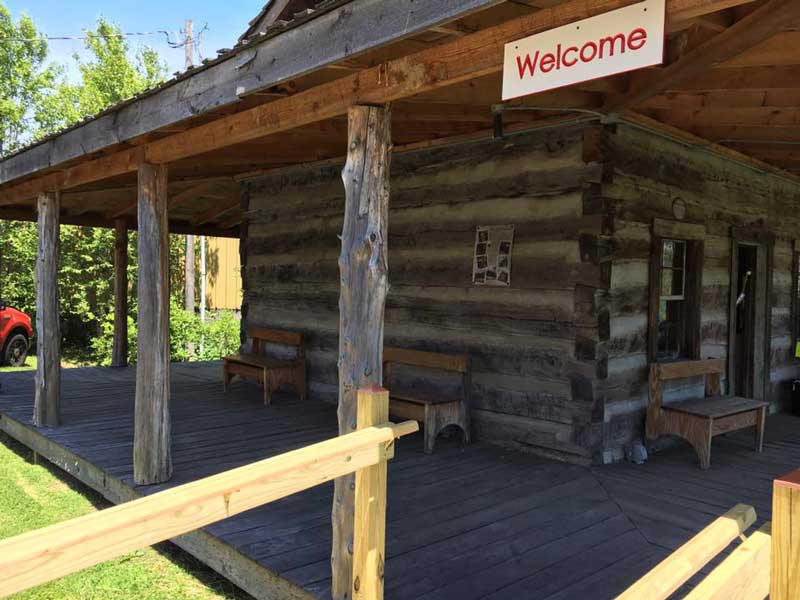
[110,77]
[23,77]
[112,74]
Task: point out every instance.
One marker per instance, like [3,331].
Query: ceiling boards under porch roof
[733,77]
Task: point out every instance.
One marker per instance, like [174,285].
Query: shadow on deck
[467,522]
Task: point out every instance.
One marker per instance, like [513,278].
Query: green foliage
[110,77]
[23,77]
[34,496]
[212,340]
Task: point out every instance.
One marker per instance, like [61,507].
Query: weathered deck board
[466,522]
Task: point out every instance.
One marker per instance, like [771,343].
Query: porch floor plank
[468,522]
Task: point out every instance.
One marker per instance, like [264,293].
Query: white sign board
[614,42]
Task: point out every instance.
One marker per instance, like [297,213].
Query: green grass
[30,365]
[34,496]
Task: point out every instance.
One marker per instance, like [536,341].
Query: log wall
[533,345]
[645,174]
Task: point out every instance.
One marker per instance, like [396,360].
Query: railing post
[785,571]
[369,539]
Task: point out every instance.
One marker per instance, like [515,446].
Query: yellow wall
[223,274]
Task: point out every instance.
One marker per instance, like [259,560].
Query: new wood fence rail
[767,562]
[42,555]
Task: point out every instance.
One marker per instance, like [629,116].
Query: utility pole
[189,267]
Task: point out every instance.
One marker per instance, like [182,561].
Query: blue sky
[226,19]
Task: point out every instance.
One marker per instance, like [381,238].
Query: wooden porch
[467,522]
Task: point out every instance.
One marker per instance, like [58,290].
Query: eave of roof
[273,31]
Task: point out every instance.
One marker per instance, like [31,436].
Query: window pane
[677,282]
[679,252]
[668,252]
[670,329]
[666,282]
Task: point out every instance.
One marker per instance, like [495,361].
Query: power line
[168,35]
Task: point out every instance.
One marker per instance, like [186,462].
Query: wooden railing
[42,555]
[766,563]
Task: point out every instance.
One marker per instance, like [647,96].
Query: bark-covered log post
[119,354]
[364,285]
[152,460]
[47,403]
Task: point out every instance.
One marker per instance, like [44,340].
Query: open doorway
[749,317]
[745,317]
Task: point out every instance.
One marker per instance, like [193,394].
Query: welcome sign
[614,42]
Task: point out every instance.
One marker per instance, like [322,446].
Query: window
[675,291]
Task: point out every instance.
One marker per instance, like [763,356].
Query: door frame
[764,241]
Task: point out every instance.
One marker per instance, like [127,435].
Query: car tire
[16,350]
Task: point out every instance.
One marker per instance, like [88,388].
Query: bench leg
[299,377]
[431,429]
[267,391]
[699,436]
[226,379]
[761,420]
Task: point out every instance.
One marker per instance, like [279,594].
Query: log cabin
[564,240]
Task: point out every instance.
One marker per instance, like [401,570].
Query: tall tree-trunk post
[152,460]
[47,403]
[364,286]
[119,354]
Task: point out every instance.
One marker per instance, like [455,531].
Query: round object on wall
[679,208]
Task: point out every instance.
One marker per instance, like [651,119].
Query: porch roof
[731,85]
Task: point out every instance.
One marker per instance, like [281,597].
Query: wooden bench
[271,373]
[435,411]
[699,420]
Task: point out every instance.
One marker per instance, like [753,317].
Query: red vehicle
[15,335]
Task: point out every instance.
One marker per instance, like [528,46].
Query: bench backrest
[454,363]
[262,336]
[711,368]
[428,360]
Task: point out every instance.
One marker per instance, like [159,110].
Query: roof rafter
[462,59]
[770,18]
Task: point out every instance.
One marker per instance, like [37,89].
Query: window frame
[694,251]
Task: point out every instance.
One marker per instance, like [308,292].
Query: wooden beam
[152,458]
[675,570]
[119,353]
[48,553]
[463,59]
[339,32]
[743,575]
[363,265]
[691,10]
[771,18]
[47,401]
[217,211]
[749,78]
[369,538]
[180,227]
[785,568]
[705,143]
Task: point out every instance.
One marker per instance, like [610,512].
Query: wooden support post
[785,571]
[369,538]
[47,403]
[364,285]
[119,355]
[152,461]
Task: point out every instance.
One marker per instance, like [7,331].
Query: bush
[212,340]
